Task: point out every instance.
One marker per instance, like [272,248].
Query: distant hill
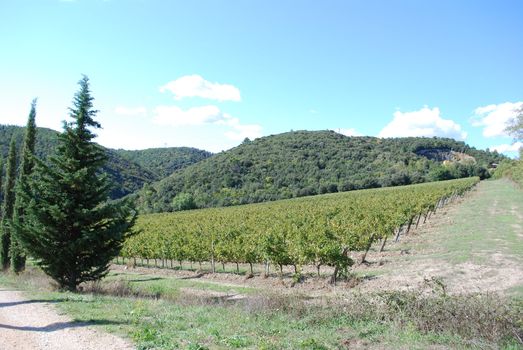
[128,170]
[305,163]
[165,161]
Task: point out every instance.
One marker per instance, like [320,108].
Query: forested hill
[128,170]
[165,161]
[304,163]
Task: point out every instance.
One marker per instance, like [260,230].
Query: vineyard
[320,230]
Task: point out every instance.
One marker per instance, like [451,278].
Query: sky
[210,73]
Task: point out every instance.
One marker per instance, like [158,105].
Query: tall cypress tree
[8,205]
[1,189]
[70,227]
[22,188]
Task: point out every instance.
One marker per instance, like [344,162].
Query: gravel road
[27,324]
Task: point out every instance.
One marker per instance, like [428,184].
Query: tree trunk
[213,265]
[252,273]
[318,269]
[369,244]
[336,268]
[397,235]
[237,268]
[417,222]
[383,243]
[409,225]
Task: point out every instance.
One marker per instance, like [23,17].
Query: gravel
[33,325]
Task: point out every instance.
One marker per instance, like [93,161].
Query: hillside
[304,163]
[165,161]
[128,170]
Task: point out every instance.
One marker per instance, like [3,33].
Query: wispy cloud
[494,118]
[424,122]
[206,115]
[508,147]
[240,131]
[197,86]
[175,116]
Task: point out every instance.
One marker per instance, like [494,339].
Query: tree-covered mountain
[165,161]
[304,163]
[128,170]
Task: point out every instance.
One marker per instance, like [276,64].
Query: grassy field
[263,321]
[159,311]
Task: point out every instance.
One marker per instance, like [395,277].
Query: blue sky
[209,73]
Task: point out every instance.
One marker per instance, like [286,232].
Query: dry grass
[477,317]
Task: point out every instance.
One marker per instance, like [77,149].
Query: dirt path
[35,324]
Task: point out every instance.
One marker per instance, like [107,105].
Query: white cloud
[197,86]
[175,116]
[240,131]
[348,132]
[507,147]
[130,111]
[494,118]
[424,122]
[206,115]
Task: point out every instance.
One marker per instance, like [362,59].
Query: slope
[124,168]
[165,161]
[304,163]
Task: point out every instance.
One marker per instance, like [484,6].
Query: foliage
[318,230]
[7,207]
[515,126]
[304,163]
[71,229]
[22,187]
[183,201]
[128,171]
[165,161]
[512,169]
[1,183]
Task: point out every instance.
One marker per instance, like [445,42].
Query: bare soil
[36,325]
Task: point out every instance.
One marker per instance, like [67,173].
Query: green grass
[162,324]
[167,316]
[262,322]
[169,287]
[483,225]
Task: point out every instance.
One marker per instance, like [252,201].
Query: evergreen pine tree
[22,187]
[8,205]
[70,227]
